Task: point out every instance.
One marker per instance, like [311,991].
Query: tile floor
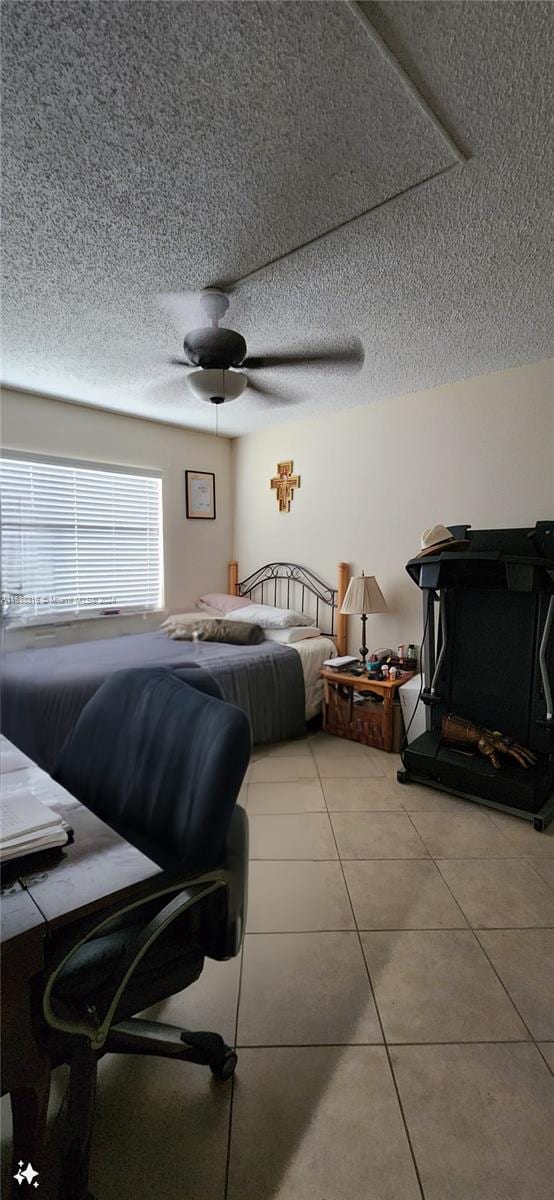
[393,1006]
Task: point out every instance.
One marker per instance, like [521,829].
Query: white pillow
[268,617]
[188,618]
[222,602]
[295,633]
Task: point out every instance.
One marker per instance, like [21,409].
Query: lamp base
[363,648]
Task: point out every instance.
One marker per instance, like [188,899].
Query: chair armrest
[229,877]
[96,1030]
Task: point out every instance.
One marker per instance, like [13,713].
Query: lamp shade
[363,595]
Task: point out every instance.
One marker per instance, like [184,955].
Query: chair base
[133,1036]
[137,1036]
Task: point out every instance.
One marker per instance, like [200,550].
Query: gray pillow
[235,633]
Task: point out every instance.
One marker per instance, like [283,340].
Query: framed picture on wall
[200,495]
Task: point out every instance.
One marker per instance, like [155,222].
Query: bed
[278,686]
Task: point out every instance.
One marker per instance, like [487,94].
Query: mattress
[44,690]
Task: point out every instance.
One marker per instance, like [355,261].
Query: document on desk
[27,825]
[12,759]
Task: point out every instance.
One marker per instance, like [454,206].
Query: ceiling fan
[217,357]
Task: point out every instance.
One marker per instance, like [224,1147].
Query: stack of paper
[27,825]
[339,664]
[11,758]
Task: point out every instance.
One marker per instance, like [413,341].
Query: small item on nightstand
[341,663]
[381,656]
[393,672]
[356,668]
[384,671]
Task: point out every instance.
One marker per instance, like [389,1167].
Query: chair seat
[170,965]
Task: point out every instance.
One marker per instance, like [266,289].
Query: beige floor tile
[437,986]
[401,895]
[297,835]
[524,959]
[388,761]
[210,1003]
[462,835]
[320,737]
[547,1051]
[282,770]
[362,795]
[480,1120]
[344,766]
[305,988]
[285,797]
[336,1134]
[499,893]
[544,867]
[417,798]
[325,743]
[300,747]
[523,838]
[297,897]
[161,1129]
[377,835]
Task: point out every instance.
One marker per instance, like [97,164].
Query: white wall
[195,552]
[477,452]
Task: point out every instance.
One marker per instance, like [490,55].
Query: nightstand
[369,721]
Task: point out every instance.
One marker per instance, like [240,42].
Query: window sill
[72,618]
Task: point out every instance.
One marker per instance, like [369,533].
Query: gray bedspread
[43,691]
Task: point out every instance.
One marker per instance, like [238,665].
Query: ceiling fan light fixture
[215,385]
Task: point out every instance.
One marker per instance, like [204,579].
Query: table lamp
[363,596]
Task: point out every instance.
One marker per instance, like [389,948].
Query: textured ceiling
[153,147]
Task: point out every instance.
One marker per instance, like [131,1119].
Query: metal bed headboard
[288,585]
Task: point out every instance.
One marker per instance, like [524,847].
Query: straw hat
[438,538]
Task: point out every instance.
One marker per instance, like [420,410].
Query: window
[78,538]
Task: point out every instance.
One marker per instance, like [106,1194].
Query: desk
[371,724]
[50,893]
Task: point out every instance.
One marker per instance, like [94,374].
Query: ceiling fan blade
[337,356]
[179,362]
[269,395]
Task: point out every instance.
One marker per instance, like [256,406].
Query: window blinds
[78,538]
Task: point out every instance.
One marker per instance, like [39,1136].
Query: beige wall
[478,452]
[195,552]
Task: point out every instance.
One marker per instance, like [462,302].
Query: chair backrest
[158,758]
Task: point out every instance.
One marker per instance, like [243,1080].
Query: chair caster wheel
[402,776]
[226,1068]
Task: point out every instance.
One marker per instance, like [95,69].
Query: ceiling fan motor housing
[214,347]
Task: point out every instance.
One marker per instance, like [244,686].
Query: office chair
[161,760]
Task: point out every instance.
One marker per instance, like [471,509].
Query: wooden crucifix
[284,484]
